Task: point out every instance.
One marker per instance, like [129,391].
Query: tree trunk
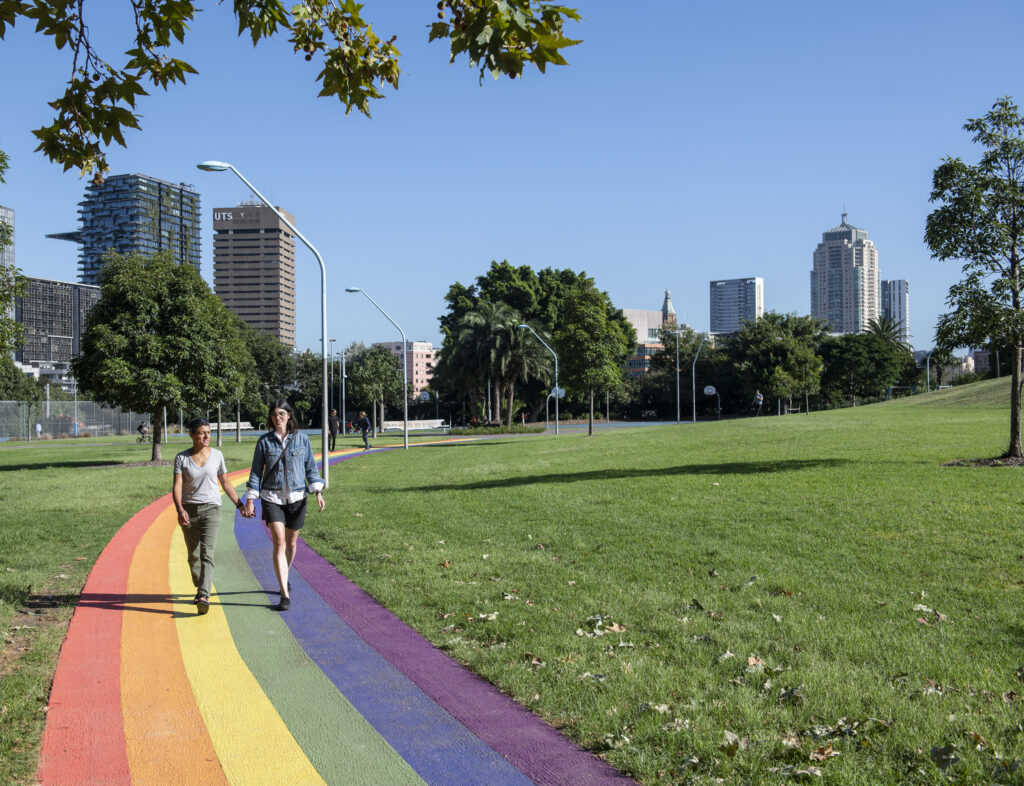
[511,401]
[373,409]
[158,433]
[496,388]
[590,429]
[1014,451]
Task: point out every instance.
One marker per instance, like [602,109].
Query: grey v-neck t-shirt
[199,485]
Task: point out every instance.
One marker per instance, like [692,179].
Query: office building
[135,214]
[896,305]
[254,267]
[7,252]
[419,363]
[53,314]
[844,281]
[648,326]
[734,301]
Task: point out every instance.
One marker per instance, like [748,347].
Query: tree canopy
[483,342]
[376,376]
[500,37]
[158,339]
[980,220]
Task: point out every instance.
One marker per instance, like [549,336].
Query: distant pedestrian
[333,425]
[39,430]
[197,498]
[283,468]
[364,429]
[758,402]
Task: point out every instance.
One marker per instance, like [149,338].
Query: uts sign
[221,216]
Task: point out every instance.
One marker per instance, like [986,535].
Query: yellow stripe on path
[165,736]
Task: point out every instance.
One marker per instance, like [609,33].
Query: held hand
[250,509]
[320,501]
[183,519]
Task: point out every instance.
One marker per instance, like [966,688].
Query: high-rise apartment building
[135,214]
[7,252]
[896,305]
[420,357]
[844,281]
[53,315]
[648,325]
[735,300]
[254,267]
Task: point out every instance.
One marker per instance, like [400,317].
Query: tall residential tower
[734,301]
[844,281]
[896,305]
[254,267]
[7,252]
[135,214]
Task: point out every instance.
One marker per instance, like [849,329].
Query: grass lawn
[745,600]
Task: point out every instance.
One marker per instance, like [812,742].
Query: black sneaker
[203,602]
[285,604]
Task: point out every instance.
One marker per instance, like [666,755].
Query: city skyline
[647,190]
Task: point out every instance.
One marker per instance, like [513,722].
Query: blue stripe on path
[440,749]
[537,749]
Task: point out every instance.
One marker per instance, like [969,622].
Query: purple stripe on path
[440,749]
[534,747]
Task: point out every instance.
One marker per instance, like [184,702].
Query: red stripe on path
[84,742]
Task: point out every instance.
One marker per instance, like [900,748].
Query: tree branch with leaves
[500,37]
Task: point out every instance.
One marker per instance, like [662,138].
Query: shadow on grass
[59,464]
[731,468]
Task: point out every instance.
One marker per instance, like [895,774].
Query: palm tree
[483,335]
[887,329]
[520,356]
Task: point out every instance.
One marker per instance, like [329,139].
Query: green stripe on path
[338,741]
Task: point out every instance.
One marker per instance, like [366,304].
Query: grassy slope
[847,519]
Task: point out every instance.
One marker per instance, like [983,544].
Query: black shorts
[293,514]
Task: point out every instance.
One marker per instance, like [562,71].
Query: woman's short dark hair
[196,423]
[293,424]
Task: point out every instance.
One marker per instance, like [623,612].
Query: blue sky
[686,142]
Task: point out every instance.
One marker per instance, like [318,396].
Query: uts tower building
[135,213]
[844,281]
[254,267]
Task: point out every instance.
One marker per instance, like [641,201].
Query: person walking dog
[197,472]
[283,468]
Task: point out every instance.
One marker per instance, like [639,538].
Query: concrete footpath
[337,690]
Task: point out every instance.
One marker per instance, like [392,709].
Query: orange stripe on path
[83,742]
[167,740]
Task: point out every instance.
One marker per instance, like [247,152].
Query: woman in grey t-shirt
[198,472]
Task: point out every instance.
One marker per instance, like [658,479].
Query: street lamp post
[549,349]
[220,166]
[693,378]
[405,352]
[330,396]
[344,420]
[678,412]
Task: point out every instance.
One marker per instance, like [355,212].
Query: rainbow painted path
[337,690]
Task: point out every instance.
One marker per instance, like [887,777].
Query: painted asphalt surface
[337,690]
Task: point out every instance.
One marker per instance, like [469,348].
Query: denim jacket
[302,469]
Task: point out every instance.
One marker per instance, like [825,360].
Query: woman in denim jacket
[282,468]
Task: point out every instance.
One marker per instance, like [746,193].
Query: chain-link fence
[61,419]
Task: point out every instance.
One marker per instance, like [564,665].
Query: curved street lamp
[405,351]
[693,377]
[220,166]
[549,349]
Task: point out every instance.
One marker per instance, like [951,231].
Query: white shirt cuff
[315,487]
